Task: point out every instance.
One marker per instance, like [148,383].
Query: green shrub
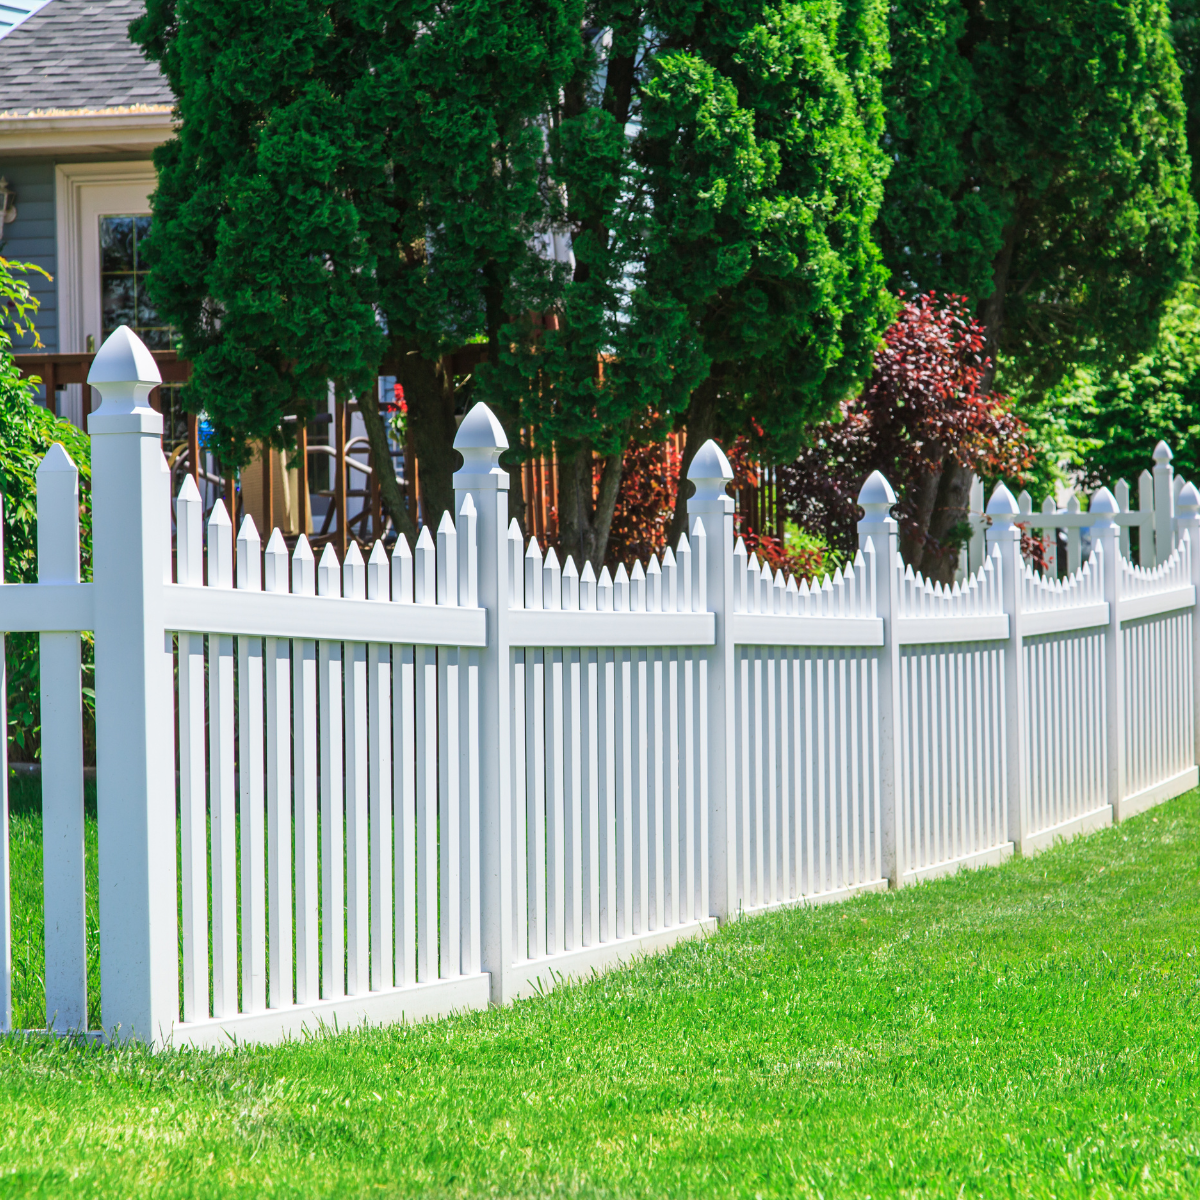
[27,431]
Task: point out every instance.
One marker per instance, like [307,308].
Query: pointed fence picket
[468,769]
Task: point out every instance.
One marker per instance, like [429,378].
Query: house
[81,112]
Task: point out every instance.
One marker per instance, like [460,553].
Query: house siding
[32,238]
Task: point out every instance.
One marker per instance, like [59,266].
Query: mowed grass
[1027,1031]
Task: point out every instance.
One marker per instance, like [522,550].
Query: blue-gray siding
[31,238]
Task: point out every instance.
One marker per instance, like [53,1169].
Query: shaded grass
[1024,1031]
[28,926]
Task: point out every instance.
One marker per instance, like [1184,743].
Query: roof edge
[86,131]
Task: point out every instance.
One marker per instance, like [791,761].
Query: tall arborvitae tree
[1041,169]
[360,186]
[763,126]
[719,171]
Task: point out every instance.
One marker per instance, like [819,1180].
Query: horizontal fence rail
[334,790]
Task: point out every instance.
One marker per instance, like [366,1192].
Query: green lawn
[1026,1031]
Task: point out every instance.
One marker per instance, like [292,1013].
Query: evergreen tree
[1041,169]
[375,183]
[719,175]
[1185,38]
[781,279]
[312,173]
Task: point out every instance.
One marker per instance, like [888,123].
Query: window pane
[116,299]
[142,227]
[116,244]
[156,338]
[146,313]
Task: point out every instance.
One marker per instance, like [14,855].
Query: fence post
[1187,504]
[62,753]
[879,528]
[480,440]
[1106,536]
[139,979]
[1164,503]
[711,506]
[1005,538]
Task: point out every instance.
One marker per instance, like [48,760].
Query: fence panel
[607,742]
[807,798]
[1157,619]
[1064,677]
[314,755]
[953,787]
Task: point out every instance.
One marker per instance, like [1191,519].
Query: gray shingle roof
[77,54]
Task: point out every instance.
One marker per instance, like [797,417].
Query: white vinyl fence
[430,780]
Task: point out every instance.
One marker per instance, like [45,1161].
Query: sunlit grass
[1030,1030]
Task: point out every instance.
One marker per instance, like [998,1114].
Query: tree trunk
[924,488]
[701,424]
[991,310]
[429,395]
[584,523]
[948,520]
[385,472]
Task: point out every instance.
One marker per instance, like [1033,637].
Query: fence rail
[417,782]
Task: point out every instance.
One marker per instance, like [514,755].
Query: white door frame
[83,193]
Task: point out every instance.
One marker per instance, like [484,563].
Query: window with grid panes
[124,301]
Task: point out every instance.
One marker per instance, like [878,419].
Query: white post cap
[710,472]
[876,497]
[1188,500]
[124,373]
[1162,454]
[481,441]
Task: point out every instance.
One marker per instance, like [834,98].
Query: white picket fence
[459,774]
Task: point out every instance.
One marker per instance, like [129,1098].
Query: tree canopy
[376,183]
[1041,169]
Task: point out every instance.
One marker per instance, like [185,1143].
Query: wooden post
[410,478]
[139,952]
[339,483]
[780,523]
[302,477]
[553,498]
[268,490]
[48,381]
[193,430]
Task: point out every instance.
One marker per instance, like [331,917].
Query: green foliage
[1041,168]
[1025,1031]
[27,431]
[17,301]
[1110,423]
[1185,37]
[761,142]
[314,170]
[376,182]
